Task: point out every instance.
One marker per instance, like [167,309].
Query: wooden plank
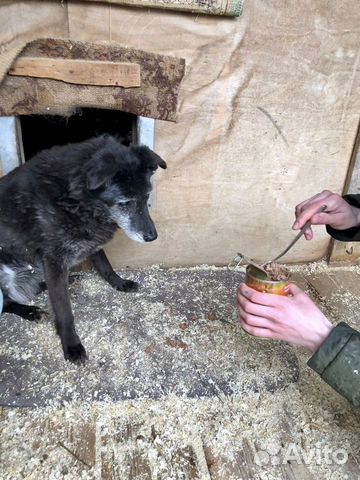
[338,293]
[139,467]
[83,72]
[186,462]
[291,470]
[329,283]
[122,456]
[300,281]
[241,466]
[344,253]
[136,459]
[125,454]
[295,471]
[82,441]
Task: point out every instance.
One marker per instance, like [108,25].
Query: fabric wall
[268,112]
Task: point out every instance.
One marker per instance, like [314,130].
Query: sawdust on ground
[307,413]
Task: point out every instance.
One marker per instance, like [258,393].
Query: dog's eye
[125,203]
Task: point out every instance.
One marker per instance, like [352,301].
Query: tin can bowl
[253,280]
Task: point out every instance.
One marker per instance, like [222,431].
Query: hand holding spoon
[261,268]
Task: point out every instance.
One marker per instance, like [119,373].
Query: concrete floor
[173,388]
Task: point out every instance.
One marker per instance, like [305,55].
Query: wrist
[320,337]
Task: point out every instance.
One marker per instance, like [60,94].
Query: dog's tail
[19,281]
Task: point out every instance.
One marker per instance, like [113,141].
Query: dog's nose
[150,237]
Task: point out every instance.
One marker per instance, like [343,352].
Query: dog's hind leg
[103,266]
[56,276]
[29,312]
[19,280]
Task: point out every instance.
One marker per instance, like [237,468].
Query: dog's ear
[151,160]
[101,168]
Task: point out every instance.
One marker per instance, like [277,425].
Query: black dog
[62,207]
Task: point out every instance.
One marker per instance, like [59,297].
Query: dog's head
[120,177]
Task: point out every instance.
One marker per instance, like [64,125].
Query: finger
[308,213]
[322,218]
[258,331]
[267,299]
[333,202]
[254,308]
[255,321]
[308,234]
[318,197]
[293,289]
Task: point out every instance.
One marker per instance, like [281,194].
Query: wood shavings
[173,434]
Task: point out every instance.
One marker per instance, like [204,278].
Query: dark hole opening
[44,131]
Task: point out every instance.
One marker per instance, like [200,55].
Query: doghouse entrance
[40,132]
[23,136]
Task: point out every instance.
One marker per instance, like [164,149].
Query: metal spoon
[292,243]
[239,257]
[261,268]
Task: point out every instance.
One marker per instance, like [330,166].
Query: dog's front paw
[126,285]
[75,353]
[129,286]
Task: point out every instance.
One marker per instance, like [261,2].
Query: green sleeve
[351,234]
[338,362]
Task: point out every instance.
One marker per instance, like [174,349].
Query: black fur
[62,207]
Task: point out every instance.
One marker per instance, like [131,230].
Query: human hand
[338,213]
[294,318]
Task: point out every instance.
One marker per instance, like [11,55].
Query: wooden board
[83,72]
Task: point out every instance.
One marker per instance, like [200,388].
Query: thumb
[293,289]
